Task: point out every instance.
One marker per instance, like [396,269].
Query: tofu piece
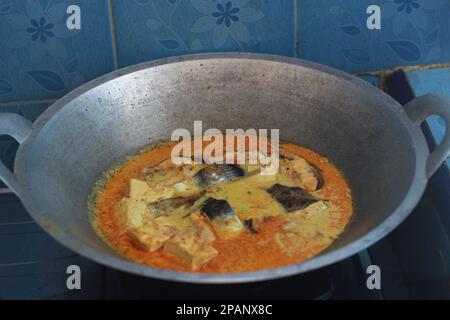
[141,190]
[194,245]
[205,233]
[138,189]
[150,193]
[312,227]
[157,193]
[189,251]
[156,232]
[317,219]
[149,238]
[131,213]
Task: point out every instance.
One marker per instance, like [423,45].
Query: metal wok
[371,138]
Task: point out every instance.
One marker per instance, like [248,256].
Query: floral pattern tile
[29,111]
[150,29]
[40,57]
[334,32]
[432,81]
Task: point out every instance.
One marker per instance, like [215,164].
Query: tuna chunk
[302,173]
[306,174]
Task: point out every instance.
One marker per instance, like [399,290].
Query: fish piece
[249,225]
[142,191]
[165,177]
[310,177]
[171,181]
[221,214]
[163,165]
[190,170]
[318,173]
[291,198]
[288,154]
[168,174]
[305,174]
[217,173]
[170,206]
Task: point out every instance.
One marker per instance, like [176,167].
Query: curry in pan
[221,218]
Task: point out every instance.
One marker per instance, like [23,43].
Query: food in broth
[221,217]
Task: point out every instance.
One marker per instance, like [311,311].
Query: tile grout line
[297,28]
[22,102]
[384,74]
[113,34]
[404,68]
[379,73]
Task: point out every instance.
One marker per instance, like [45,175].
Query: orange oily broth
[246,252]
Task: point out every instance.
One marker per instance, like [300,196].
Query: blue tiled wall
[41,60]
[412,32]
[148,29]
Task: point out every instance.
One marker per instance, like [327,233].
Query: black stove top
[32,265]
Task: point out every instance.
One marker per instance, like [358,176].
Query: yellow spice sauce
[269,248]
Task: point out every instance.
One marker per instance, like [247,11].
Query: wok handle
[18,127]
[418,110]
